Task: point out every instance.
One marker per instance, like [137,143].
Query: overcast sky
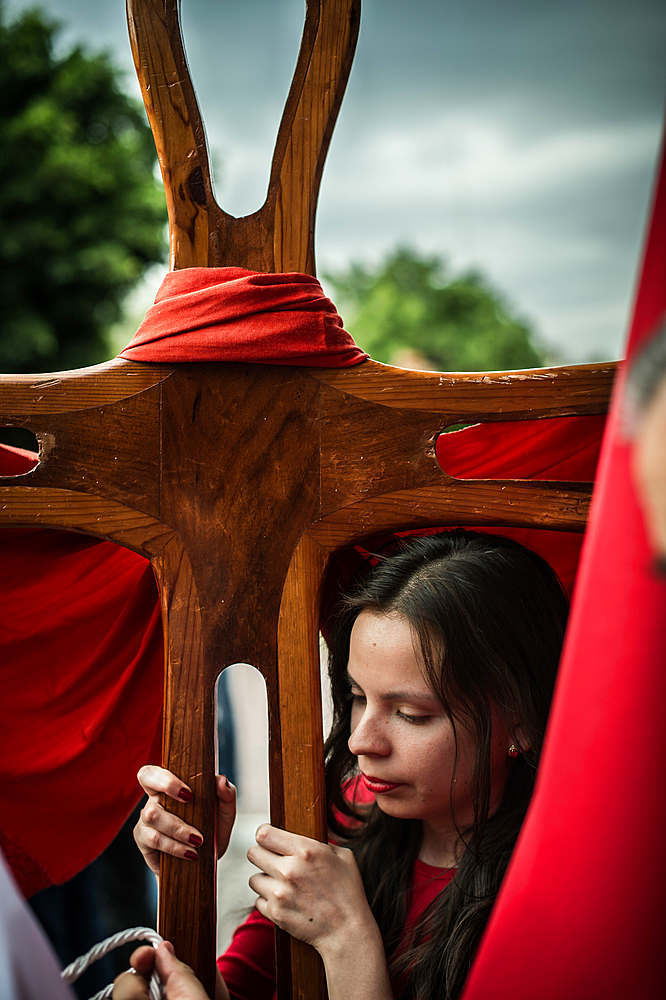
[519,137]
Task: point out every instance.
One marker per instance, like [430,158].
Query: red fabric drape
[230,314]
[80,710]
[563,448]
[560,448]
[581,911]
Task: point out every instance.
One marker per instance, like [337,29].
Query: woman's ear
[519,739]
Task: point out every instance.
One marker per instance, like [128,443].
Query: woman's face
[404,739]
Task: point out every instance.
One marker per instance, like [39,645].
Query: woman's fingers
[180,981]
[271,838]
[259,884]
[282,858]
[143,959]
[278,841]
[155,779]
[128,986]
[168,827]
[160,832]
[226,792]
[226,812]
[312,890]
[282,854]
[266,860]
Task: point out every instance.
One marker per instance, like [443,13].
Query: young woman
[442,663]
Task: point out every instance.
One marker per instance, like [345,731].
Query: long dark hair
[488,617]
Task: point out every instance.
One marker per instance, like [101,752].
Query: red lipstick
[377,786]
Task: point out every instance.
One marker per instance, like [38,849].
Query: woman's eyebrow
[409,696]
[398,695]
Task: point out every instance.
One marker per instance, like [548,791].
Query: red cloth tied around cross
[82,642]
[230,314]
[581,911]
[81,647]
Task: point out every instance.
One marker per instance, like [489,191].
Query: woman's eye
[414,720]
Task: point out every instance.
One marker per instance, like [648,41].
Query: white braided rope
[79,965]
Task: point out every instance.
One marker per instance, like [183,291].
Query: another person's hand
[312,890]
[159,831]
[178,978]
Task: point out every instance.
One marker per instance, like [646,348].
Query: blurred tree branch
[409,311]
[81,211]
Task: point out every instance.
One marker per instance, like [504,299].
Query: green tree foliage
[409,304]
[81,213]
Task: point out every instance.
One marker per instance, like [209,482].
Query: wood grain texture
[359,461]
[112,450]
[320,79]
[298,659]
[301,731]
[77,511]
[175,120]
[81,389]
[187,902]
[578,390]
[240,455]
[239,479]
[280,235]
[509,503]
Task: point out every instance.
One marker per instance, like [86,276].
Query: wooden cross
[241,481]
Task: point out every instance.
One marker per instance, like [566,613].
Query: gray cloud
[517,137]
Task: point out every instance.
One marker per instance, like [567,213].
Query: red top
[248,964]
[427,883]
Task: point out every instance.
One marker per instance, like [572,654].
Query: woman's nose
[368,736]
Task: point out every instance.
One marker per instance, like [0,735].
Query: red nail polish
[195,840]
[191,855]
[185,794]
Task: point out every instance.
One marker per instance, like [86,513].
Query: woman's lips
[377,786]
